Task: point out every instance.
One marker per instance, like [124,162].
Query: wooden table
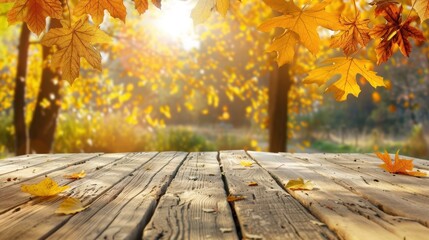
[178,195]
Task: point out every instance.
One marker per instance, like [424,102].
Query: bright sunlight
[175,22]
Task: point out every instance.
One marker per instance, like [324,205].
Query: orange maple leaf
[96,8]
[356,33]
[74,42]
[394,32]
[34,13]
[143,5]
[399,166]
[76,175]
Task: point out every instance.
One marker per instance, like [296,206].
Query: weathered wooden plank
[194,206]
[345,212]
[36,219]
[15,159]
[123,211]
[32,161]
[11,196]
[268,212]
[365,164]
[45,165]
[379,193]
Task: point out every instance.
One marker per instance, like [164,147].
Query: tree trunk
[279,86]
[44,122]
[19,93]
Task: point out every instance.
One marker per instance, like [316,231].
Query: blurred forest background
[167,85]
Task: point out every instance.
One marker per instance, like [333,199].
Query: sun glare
[175,22]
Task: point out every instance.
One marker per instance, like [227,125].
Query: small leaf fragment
[70,206]
[77,175]
[47,187]
[246,163]
[299,184]
[252,184]
[233,198]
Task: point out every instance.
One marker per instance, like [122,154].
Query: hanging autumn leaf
[422,9]
[246,163]
[143,5]
[299,184]
[233,198]
[96,8]
[394,32]
[77,175]
[399,166]
[304,22]
[356,33]
[348,68]
[47,187]
[285,47]
[74,42]
[203,9]
[34,13]
[70,206]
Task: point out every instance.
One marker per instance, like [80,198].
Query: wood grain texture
[32,161]
[365,164]
[36,218]
[268,212]
[194,206]
[123,211]
[341,209]
[17,159]
[379,193]
[11,195]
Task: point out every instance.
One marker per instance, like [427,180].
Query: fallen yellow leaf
[70,206]
[299,184]
[45,188]
[76,175]
[246,163]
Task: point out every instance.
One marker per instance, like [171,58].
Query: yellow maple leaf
[246,163]
[299,184]
[143,5]
[400,166]
[422,9]
[356,33]
[96,8]
[70,206]
[77,175]
[348,68]
[34,13]
[203,9]
[284,45]
[304,22]
[74,42]
[47,187]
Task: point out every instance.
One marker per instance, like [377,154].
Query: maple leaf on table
[356,33]
[400,166]
[96,8]
[143,5]
[304,22]
[348,68]
[74,42]
[394,32]
[70,206]
[422,9]
[34,13]
[47,187]
[203,9]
